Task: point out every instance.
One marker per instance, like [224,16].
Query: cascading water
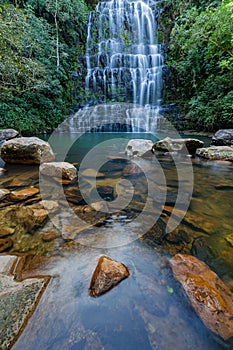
[124,60]
[124,64]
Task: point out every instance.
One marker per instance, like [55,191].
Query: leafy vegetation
[41,78]
[200,60]
[39,41]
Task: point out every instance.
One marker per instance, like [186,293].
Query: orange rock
[23,194]
[209,296]
[107,275]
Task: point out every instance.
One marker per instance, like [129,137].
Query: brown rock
[23,194]
[5,244]
[3,193]
[209,296]
[107,275]
[6,231]
[229,239]
[178,145]
[26,150]
[49,236]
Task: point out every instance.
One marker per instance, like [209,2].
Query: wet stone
[5,244]
[23,194]
[209,296]
[6,231]
[108,274]
[229,239]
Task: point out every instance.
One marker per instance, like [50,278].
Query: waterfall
[123,59]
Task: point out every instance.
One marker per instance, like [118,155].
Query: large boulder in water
[216,153]
[178,145]
[108,273]
[223,137]
[139,148]
[26,150]
[209,296]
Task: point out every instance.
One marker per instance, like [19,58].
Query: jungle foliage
[199,52]
[39,40]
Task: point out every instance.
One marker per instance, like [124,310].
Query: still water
[148,310]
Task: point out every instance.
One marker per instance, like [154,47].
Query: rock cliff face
[209,296]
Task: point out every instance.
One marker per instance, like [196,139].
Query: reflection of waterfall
[124,62]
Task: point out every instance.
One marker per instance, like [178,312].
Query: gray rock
[178,145]
[139,148]
[63,170]
[223,137]
[7,134]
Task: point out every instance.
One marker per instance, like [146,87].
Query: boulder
[26,150]
[210,297]
[108,274]
[63,170]
[139,148]
[216,153]
[223,137]
[8,134]
[178,145]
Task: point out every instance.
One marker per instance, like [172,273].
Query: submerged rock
[26,150]
[223,137]
[178,145]
[139,148]
[5,244]
[62,170]
[210,297]
[216,153]
[108,274]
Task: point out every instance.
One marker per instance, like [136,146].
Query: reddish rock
[23,194]
[209,296]
[49,236]
[108,274]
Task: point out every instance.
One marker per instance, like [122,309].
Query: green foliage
[201,55]
[34,90]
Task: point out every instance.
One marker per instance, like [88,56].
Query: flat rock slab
[209,296]
[17,302]
[108,274]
